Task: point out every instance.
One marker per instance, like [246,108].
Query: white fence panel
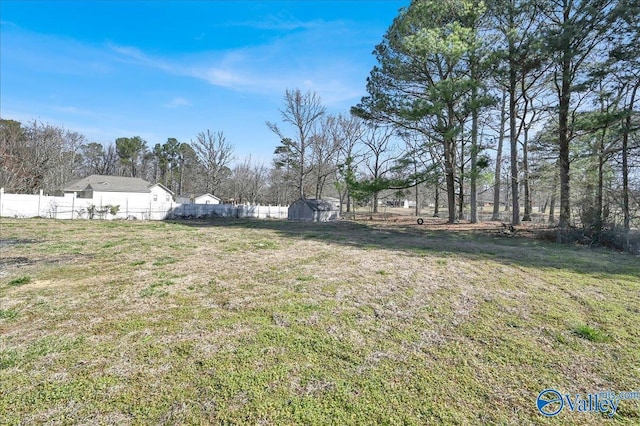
[69,207]
[200,211]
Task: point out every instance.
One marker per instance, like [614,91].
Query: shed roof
[318,204]
[104,183]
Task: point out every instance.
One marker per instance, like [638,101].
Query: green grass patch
[263,245]
[305,278]
[9,314]
[18,281]
[590,333]
[155,289]
[165,260]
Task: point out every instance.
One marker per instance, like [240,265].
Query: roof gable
[159,185]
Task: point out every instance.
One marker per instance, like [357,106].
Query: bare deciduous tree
[215,154]
[302,112]
[247,182]
[37,156]
[325,147]
[379,156]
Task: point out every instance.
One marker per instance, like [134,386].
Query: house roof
[103,183]
[197,195]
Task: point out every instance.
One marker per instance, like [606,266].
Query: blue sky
[161,69]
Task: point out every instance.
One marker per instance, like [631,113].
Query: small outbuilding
[313,210]
[198,199]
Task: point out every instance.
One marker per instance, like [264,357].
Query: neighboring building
[133,196]
[408,204]
[314,210]
[198,199]
[87,186]
[333,200]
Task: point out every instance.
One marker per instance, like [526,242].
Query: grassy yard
[274,323]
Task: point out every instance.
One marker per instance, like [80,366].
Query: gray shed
[312,210]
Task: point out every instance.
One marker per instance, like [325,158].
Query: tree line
[39,156]
[514,104]
[556,80]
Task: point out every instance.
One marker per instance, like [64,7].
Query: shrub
[91,210]
[608,236]
[113,209]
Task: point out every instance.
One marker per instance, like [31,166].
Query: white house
[133,196]
[198,199]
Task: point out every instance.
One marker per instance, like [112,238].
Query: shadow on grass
[441,241]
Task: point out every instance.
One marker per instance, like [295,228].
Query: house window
[206,202]
[155,197]
[167,198]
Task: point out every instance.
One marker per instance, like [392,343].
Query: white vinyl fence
[70,207]
[198,211]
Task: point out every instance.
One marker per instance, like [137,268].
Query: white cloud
[73,110]
[281,22]
[177,102]
[224,78]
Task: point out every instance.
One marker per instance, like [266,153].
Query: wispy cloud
[73,110]
[136,56]
[51,53]
[270,68]
[177,103]
[131,83]
[282,21]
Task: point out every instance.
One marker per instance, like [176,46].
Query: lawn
[272,323]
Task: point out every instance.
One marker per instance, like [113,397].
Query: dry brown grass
[271,322]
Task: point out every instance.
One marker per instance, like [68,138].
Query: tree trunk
[563,139]
[449,166]
[461,198]
[417,198]
[301,175]
[473,198]
[513,139]
[498,173]
[552,202]
[461,182]
[625,162]
[436,209]
[525,176]
[600,189]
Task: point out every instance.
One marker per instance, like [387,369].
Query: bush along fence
[71,207]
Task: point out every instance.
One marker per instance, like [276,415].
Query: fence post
[1,200]
[73,204]
[39,198]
